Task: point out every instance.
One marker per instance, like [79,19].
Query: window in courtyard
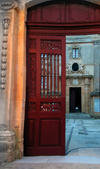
[75,53]
[75,67]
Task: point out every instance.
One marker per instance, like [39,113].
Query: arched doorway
[47,26]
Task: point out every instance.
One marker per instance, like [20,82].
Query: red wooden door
[45,100]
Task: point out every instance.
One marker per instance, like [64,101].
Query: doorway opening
[75,99]
[47,26]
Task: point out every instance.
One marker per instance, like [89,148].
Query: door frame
[63,29]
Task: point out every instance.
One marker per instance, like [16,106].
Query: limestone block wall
[85,82]
[97,65]
[89,73]
[86,58]
[8,53]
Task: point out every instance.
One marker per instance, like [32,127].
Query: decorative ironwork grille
[51,75]
[50,106]
[51,44]
[32,106]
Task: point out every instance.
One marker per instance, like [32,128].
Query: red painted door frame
[64,29]
[38,122]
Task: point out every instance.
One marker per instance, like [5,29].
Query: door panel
[45,99]
[53,138]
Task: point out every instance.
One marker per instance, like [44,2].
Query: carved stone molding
[8,5]
[87,82]
[75,81]
[97,42]
[69,69]
[95,93]
[5,25]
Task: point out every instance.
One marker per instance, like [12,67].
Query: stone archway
[72,24]
[16,75]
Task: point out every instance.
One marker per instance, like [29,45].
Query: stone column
[7,136]
[96,65]
[87,99]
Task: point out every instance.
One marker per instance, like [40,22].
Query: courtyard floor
[82,147]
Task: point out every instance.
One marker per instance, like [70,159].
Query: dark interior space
[75,100]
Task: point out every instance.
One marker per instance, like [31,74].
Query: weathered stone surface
[3,127]
[8,4]
[95,93]
[7,145]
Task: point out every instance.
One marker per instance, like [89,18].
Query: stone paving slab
[84,132]
[51,166]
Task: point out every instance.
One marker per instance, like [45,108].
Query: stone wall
[88,61]
[7,54]
[97,65]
